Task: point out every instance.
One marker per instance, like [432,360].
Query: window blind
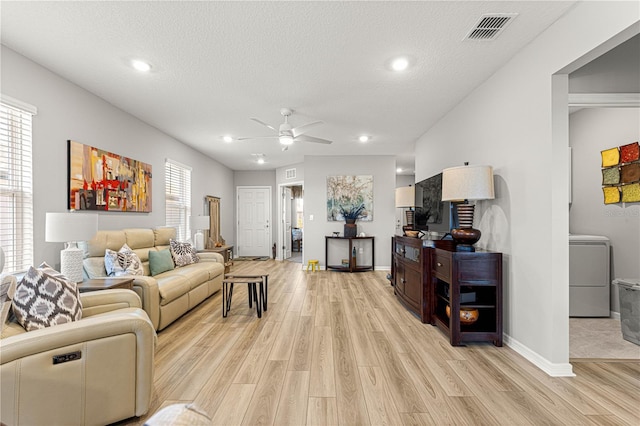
[16,185]
[178,198]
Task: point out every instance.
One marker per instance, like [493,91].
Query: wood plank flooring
[339,349]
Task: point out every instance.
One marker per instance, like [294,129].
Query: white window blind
[178,197]
[16,188]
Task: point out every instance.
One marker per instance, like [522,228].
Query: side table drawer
[442,266]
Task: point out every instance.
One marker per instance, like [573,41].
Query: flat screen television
[432,214]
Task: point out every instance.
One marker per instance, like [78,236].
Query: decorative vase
[467,315]
[350,228]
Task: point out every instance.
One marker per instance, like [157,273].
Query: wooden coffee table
[105,284]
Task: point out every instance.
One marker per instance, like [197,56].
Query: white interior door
[254,221]
[286,220]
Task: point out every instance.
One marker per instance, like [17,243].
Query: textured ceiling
[216,64]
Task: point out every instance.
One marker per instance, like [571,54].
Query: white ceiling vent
[490,25]
[290,174]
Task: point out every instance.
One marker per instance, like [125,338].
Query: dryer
[589,276]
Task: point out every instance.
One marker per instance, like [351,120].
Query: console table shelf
[353,266]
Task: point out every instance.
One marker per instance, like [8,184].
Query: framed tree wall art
[104,181]
[348,192]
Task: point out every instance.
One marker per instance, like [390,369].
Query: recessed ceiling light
[400,64]
[141,66]
[227,139]
[364,138]
[399,170]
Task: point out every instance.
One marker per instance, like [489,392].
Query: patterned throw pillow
[183,253]
[43,299]
[122,262]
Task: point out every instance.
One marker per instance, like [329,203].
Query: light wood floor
[338,348]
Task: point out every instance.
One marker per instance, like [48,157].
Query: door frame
[270,212]
[280,224]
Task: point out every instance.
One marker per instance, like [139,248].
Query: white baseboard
[553,370]
[615,315]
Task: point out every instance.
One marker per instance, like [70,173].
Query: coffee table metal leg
[224,300]
[255,296]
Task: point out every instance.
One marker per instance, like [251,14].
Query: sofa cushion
[122,262]
[104,240]
[194,274]
[139,238]
[183,253]
[164,235]
[171,286]
[43,299]
[160,261]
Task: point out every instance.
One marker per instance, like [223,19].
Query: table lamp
[69,228]
[406,198]
[199,223]
[461,185]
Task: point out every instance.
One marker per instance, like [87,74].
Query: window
[178,198]
[16,194]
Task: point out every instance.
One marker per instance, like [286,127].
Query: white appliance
[589,276]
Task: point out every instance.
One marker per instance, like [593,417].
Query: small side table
[105,284]
[227,254]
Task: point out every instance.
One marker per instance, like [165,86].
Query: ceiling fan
[287,134]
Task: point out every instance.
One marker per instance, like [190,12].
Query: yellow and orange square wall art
[621,174]
[104,181]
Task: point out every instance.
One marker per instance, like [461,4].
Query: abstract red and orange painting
[101,180]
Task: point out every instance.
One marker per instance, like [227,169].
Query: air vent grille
[290,174]
[489,26]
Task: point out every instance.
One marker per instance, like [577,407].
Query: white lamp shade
[199,222]
[467,183]
[67,227]
[405,196]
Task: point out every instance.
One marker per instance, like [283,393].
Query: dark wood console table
[427,280]
[353,266]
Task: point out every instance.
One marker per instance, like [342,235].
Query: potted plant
[351,214]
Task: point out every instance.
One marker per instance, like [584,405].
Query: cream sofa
[169,295]
[107,375]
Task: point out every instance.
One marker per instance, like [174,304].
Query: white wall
[592,130]
[317,168]
[507,123]
[66,111]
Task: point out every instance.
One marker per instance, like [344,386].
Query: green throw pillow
[160,261]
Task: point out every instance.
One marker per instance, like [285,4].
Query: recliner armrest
[121,322]
[98,302]
[210,256]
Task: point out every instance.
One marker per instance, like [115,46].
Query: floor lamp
[199,223]
[463,184]
[69,228]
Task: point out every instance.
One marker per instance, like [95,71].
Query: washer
[589,276]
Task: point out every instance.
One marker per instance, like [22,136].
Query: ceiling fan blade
[297,131]
[257,137]
[265,124]
[305,138]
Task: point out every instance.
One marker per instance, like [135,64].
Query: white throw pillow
[122,262]
[183,253]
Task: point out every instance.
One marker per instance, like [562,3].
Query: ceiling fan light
[363,138]
[260,160]
[286,140]
[227,139]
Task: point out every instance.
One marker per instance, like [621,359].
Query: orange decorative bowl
[467,315]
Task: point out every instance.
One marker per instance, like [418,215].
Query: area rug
[241,258]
